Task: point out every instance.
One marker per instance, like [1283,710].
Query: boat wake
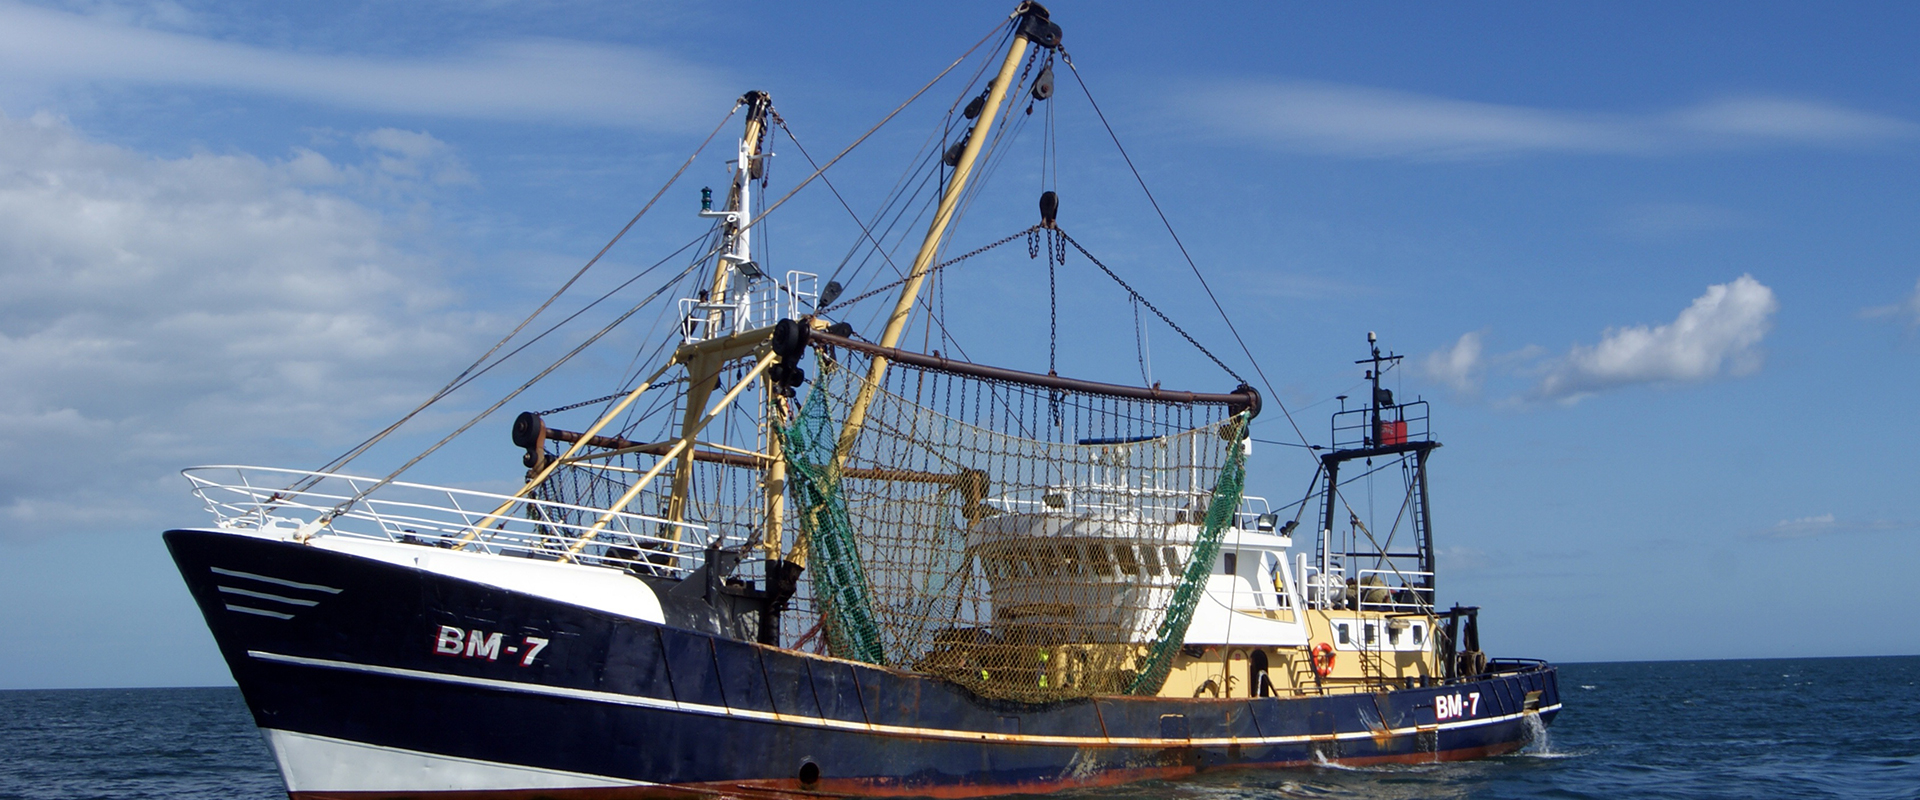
[1539,741]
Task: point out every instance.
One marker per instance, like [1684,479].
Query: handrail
[443,516]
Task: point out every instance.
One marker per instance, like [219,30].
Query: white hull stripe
[898,730]
[258,612]
[292,601]
[324,764]
[234,573]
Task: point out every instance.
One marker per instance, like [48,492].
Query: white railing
[1324,589]
[1400,589]
[256,498]
[1104,500]
[1254,515]
[757,306]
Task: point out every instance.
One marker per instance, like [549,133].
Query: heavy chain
[1156,311]
[936,268]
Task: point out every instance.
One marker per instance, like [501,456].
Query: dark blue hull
[356,653]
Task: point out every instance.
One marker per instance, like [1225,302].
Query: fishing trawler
[787,559]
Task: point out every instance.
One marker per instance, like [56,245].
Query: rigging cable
[944,334]
[459,380]
[590,340]
[344,505]
[1064,56]
[1295,424]
[870,132]
[1157,312]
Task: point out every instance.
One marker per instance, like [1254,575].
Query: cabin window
[1229,563]
[1341,629]
[1073,563]
[1369,633]
[1101,560]
[1172,558]
[1151,558]
[1129,564]
[1393,636]
[1416,634]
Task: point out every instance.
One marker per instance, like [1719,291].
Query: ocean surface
[1799,728]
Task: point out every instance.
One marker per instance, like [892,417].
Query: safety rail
[256,498]
[1324,589]
[1101,501]
[756,307]
[1395,590]
[1392,425]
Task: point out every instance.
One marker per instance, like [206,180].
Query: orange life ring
[1323,659]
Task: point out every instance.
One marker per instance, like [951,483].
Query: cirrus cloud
[161,311]
[1907,310]
[1367,122]
[529,79]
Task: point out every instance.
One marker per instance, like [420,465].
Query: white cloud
[164,311]
[1908,309]
[528,79]
[1460,366]
[1717,335]
[1788,120]
[1666,219]
[1376,123]
[1804,526]
[1824,524]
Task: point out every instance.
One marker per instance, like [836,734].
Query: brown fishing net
[1026,542]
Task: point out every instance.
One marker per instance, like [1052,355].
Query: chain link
[936,268]
[582,404]
[1156,311]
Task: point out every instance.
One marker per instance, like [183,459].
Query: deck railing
[256,498]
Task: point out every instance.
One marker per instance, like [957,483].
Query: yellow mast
[1028,13]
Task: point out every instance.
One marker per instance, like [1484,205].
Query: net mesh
[1028,544]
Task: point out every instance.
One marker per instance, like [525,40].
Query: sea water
[1800,728]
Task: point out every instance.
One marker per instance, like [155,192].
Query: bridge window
[1129,563]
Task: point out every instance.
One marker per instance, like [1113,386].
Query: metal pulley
[959,146]
[1049,209]
[1043,83]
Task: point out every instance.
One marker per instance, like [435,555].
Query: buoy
[1323,659]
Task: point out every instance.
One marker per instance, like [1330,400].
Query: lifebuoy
[1323,659]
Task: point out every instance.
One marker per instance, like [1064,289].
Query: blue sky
[1654,264]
